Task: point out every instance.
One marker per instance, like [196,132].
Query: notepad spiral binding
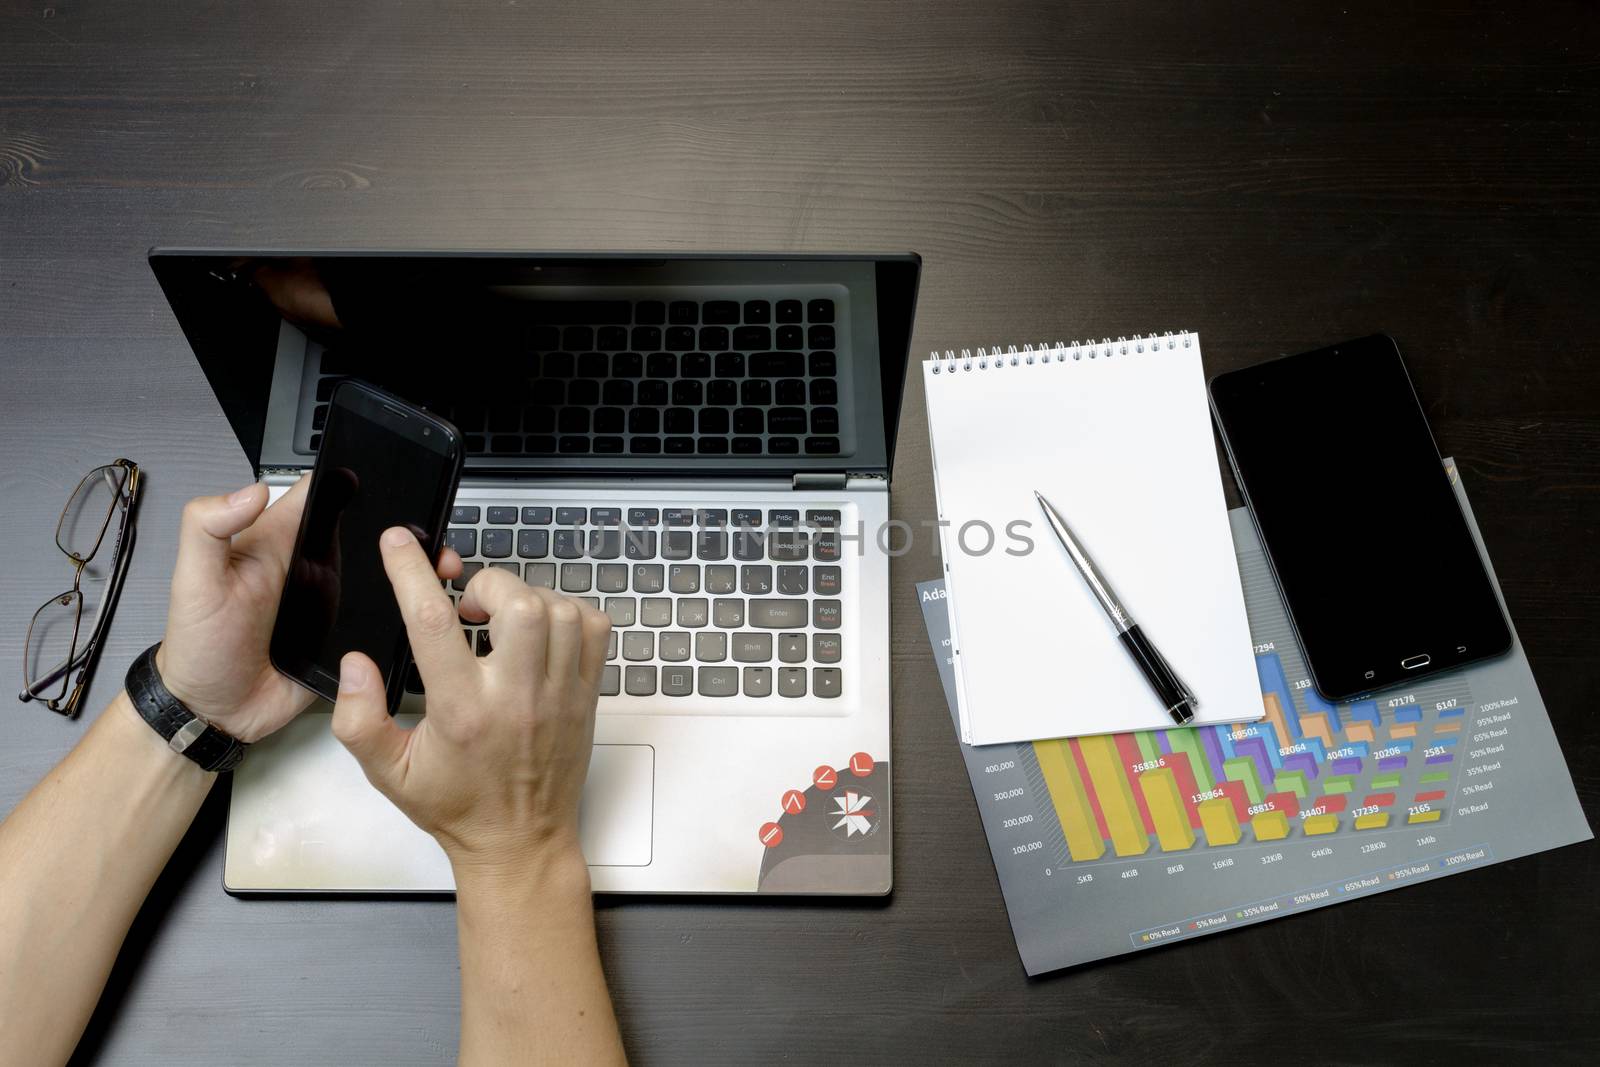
[965,360]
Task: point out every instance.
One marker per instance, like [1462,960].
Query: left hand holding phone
[233,554]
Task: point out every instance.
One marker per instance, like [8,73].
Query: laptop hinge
[281,475]
[820,480]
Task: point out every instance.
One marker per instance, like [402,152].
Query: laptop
[700,445]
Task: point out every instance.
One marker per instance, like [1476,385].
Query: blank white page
[1118,437]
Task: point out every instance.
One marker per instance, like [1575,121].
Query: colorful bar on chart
[1110,784]
[1149,747]
[1375,821]
[1275,688]
[1242,769]
[1238,796]
[1361,731]
[1304,762]
[1444,757]
[1434,776]
[1332,802]
[1318,726]
[1390,780]
[1319,824]
[1348,765]
[1425,816]
[1071,803]
[1378,800]
[1342,784]
[1284,802]
[1279,721]
[1183,774]
[1161,795]
[1094,800]
[1130,756]
[1452,713]
[1431,795]
[1270,826]
[1403,730]
[1211,742]
[1315,705]
[1187,742]
[1265,756]
[1447,726]
[1392,763]
[1408,713]
[1294,783]
[1219,822]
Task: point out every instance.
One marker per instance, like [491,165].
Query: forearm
[77,858]
[532,990]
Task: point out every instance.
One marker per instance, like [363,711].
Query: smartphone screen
[1372,554]
[382,463]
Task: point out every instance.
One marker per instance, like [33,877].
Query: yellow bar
[1218,821]
[1376,821]
[1360,731]
[1275,717]
[1270,825]
[1071,803]
[1319,824]
[1110,785]
[1403,729]
[1447,726]
[1315,725]
[1426,816]
[1160,789]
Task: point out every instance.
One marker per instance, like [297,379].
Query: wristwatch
[182,729]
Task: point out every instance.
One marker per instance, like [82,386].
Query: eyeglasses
[59,653]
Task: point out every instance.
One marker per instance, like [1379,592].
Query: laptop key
[711,646]
[825,546]
[755,579]
[721,579]
[757,311]
[825,614]
[712,544]
[789,311]
[829,581]
[502,516]
[819,337]
[777,364]
[644,516]
[569,544]
[819,310]
[611,578]
[611,646]
[752,338]
[684,578]
[677,681]
[783,518]
[692,613]
[496,544]
[792,581]
[673,646]
[463,513]
[683,313]
[622,610]
[577,577]
[485,646]
[647,577]
[533,544]
[464,541]
[514,568]
[790,338]
[721,313]
[653,312]
[655,611]
[777,614]
[728,613]
[730,364]
[745,516]
[571,516]
[792,648]
[540,574]
[792,681]
[786,546]
[824,364]
[752,648]
[678,516]
[678,544]
[467,571]
[758,681]
[640,544]
[605,543]
[605,516]
[640,681]
[826,518]
[611,681]
[638,645]
[826,648]
[826,681]
[718,681]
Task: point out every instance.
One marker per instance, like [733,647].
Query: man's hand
[496,768]
[233,553]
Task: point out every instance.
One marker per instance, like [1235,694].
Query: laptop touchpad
[614,823]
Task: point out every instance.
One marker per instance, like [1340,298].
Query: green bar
[1187,742]
[1340,784]
[1294,781]
[1386,781]
[1434,776]
[1147,745]
[1243,769]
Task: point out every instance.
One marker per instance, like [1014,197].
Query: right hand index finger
[431,621]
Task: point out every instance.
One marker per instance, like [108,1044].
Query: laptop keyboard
[650,377]
[707,602]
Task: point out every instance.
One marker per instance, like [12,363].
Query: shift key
[777,614]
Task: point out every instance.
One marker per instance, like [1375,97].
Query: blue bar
[1442,742]
[1409,713]
[1451,713]
[1367,711]
[1269,668]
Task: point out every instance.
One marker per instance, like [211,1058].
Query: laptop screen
[554,362]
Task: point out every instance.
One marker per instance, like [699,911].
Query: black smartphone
[1370,550]
[383,463]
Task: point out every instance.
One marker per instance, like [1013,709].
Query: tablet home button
[1411,663]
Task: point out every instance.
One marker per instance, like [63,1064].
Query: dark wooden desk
[1272,176]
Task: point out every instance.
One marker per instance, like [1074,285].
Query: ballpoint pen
[1174,695]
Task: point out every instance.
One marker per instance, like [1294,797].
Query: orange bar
[1275,717]
[1315,724]
[1360,731]
[1447,726]
[1403,729]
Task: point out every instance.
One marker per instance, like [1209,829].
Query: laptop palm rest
[304,818]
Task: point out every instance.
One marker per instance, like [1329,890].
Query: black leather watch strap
[182,730]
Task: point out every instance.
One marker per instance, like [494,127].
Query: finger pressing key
[518,618]
[429,616]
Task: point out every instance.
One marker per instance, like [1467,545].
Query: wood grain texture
[1276,176]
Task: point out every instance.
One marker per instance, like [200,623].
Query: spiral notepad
[1117,434]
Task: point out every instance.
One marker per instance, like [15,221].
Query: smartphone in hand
[383,462]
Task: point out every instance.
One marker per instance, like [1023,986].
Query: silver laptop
[700,445]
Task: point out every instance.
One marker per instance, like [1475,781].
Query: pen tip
[1038,496]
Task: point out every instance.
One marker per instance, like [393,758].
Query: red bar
[1432,794]
[1128,750]
[1179,762]
[1287,803]
[1331,803]
[1234,791]
[1088,788]
[1380,800]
